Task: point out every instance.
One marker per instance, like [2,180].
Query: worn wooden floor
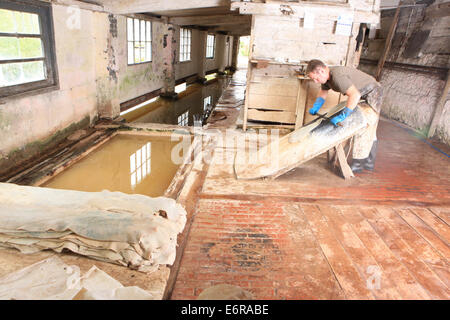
[312,235]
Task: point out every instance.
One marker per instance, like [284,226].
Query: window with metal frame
[210,42]
[139,37]
[27,53]
[185,44]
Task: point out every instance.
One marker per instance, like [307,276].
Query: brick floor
[242,243]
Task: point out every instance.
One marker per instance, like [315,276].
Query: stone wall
[32,117]
[415,72]
[410,97]
[188,68]
[139,79]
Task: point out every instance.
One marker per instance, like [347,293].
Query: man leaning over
[356,85]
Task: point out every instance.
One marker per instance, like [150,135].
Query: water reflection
[140,164]
[130,164]
[196,102]
[183,120]
[207,103]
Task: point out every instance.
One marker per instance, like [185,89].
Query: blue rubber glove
[341,116]
[317,105]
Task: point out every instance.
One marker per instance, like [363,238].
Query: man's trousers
[363,142]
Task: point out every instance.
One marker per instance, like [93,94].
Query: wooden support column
[202,64]
[229,42]
[358,54]
[249,77]
[107,69]
[169,58]
[249,74]
[439,108]
[235,53]
[353,55]
[387,45]
[221,54]
[302,95]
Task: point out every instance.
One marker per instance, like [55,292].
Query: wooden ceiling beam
[226,19]
[241,30]
[292,10]
[140,6]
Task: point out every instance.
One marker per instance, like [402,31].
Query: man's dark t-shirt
[342,78]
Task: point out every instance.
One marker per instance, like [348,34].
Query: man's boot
[369,163]
[357,165]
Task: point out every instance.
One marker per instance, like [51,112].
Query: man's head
[317,71]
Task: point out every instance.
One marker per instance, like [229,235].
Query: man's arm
[353,97]
[322,94]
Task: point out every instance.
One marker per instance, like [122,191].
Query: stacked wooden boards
[272,95]
[278,96]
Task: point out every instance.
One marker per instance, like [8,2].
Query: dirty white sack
[52,279]
[131,230]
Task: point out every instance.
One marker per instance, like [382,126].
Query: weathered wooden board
[282,156]
[274,70]
[357,251]
[302,95]
[290,42]
[278,87]
[339,260]
[271,115]
[421,272]
[272,102]
[404,281]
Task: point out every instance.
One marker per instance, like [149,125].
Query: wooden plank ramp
[283,155]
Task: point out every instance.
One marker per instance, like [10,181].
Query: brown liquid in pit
[130,164]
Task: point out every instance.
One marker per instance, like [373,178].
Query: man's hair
[313,65]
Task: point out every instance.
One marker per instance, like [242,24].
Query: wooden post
[168,57]
[345,168]
[305,110]
[351,41]
[235,52]
[439,108]
[358,55]
[387,45]
[301,102]
[202,65]
[249,75]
